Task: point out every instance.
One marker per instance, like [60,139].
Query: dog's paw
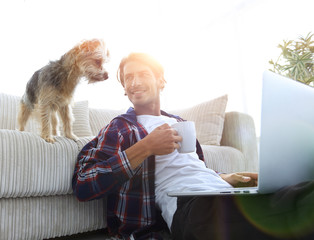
[73,137]
[49,139]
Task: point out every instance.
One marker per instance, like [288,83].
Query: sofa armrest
[239,132]
[223,158]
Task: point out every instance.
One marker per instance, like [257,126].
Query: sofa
[36,198]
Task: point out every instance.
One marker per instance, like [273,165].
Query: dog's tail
[32,88]
[28,100]
[23,115]
[25,109]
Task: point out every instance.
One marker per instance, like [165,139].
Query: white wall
[208,48]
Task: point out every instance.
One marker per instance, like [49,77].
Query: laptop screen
[287,133]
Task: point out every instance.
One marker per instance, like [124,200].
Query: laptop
[286,155]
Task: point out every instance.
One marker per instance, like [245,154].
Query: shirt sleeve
[102,165]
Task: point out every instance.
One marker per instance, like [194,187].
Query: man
[134,162]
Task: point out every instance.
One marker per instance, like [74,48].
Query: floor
[101,235]
[95,235]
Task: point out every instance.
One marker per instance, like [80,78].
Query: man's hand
[242,179]
[163,140]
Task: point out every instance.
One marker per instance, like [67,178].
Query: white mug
[187,131]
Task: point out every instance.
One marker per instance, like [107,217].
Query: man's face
[140,84]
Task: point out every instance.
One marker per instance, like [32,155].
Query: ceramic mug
[187,131]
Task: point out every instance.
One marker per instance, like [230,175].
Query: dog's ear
[70,56]
[90,45]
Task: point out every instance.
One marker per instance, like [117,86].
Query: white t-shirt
[177,171]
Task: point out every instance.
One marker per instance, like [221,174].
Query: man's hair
[146,59]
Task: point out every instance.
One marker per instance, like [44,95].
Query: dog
[50,89]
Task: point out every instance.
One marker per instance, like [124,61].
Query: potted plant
[296,60]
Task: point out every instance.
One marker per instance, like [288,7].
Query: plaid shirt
[103,170]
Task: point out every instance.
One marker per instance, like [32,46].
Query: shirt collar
[130,115]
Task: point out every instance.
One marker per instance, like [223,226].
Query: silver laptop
[286,154]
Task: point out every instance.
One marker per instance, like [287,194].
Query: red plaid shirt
[103,170]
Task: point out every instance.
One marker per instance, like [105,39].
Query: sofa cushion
[81,126]
[8,111]
[9,107]
[99,118]
[209,119]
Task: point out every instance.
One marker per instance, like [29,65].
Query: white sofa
[36,200]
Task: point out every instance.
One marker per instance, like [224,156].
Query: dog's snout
[106,76]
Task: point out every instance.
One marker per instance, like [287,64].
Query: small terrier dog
[51,88]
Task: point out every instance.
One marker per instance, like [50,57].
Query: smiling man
[143,88]
[134,162]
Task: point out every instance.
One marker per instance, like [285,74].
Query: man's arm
[102,166]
